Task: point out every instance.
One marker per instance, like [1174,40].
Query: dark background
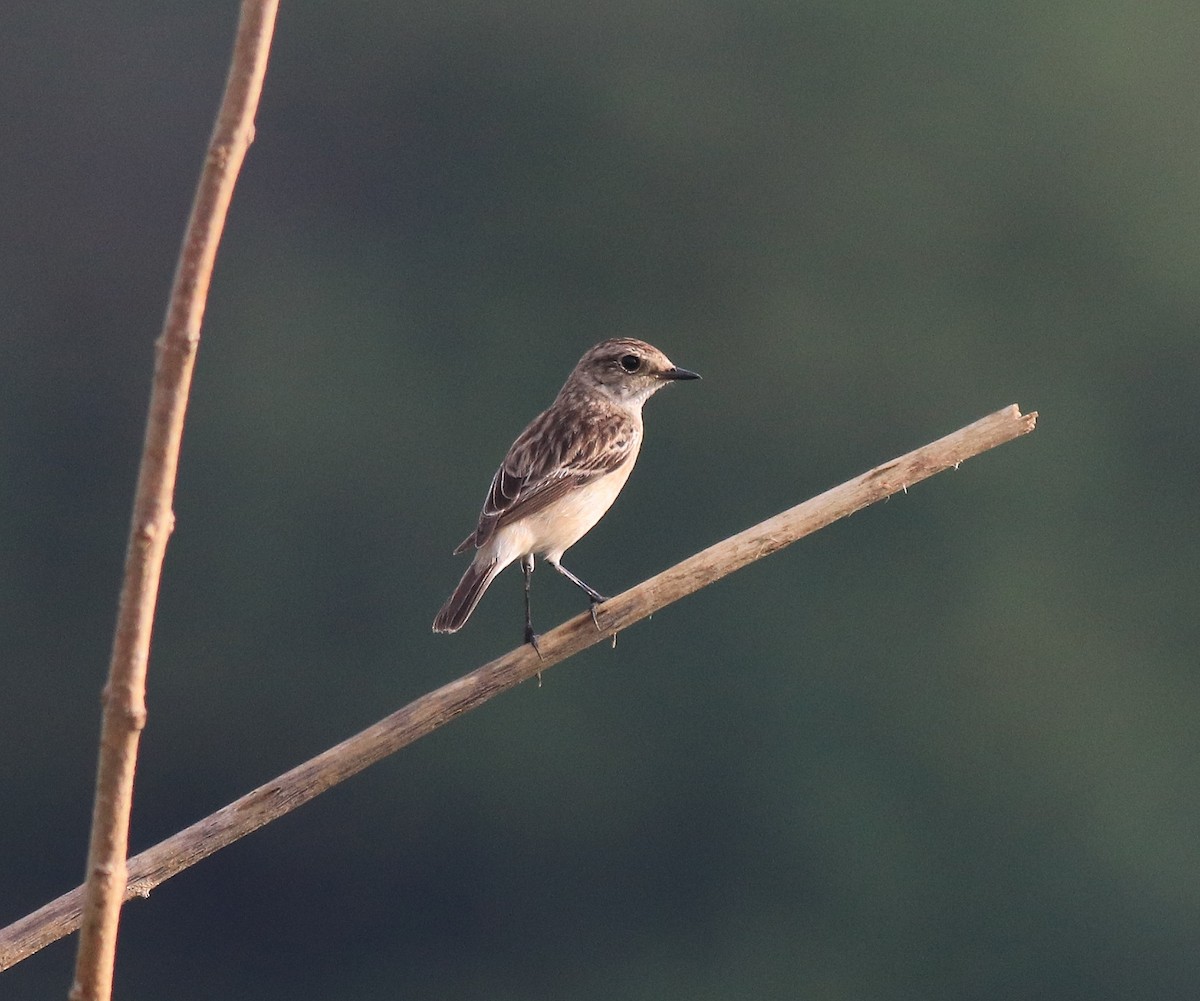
[946,748]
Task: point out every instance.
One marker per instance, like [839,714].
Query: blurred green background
[946,748]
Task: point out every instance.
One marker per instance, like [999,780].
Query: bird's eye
[631,363]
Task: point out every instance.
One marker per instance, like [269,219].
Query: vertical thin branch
[123,698]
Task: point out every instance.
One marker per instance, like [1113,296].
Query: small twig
[418,718]
[124,696]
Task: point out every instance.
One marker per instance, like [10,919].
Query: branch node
[134,717]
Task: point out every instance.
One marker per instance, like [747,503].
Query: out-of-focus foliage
[944,749]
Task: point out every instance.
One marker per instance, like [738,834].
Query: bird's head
[627,371]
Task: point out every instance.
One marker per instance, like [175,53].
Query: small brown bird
[562,473]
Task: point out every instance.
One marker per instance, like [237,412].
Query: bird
[562,474]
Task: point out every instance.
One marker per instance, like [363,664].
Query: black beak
[676,372]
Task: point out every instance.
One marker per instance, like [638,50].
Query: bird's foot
[532,639]
[593,601]
[596,622]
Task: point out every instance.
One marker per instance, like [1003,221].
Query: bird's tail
[462,602]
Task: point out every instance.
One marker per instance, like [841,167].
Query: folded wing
[549,459]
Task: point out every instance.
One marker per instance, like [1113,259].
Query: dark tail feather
[466,596]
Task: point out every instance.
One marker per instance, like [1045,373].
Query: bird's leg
[594,596]
[587,589]
[530,638]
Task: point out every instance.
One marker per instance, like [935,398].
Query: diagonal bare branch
[124,696]
[420,717]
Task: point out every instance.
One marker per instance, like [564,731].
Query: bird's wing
[558,452]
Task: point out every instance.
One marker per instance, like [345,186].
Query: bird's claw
[592,611]
[532,640]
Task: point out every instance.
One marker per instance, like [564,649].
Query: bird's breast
[558,526]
